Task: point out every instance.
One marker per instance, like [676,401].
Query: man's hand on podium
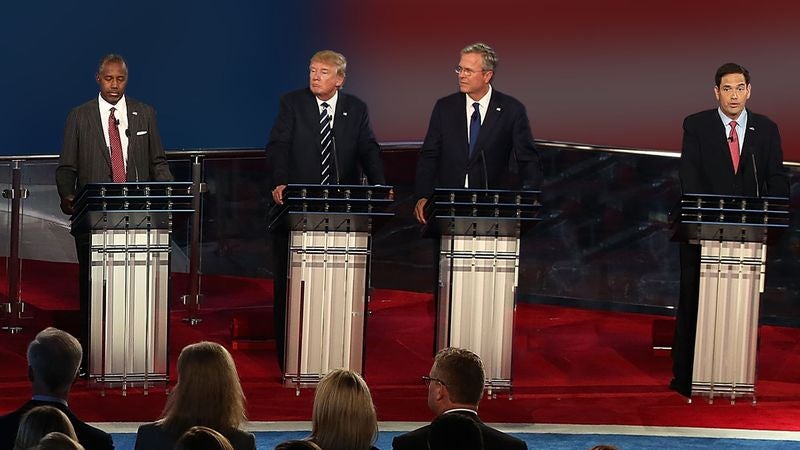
[419,210]
[277,194]
[68,204]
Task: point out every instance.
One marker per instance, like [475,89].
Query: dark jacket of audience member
[53,360]
[455,432]
[208,393]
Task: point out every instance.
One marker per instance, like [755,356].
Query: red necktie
[117,161]
[733,144]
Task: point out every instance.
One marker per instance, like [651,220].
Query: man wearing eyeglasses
[475,134]
[455,386]
[727,150]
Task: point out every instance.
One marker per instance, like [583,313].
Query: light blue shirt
[741,126]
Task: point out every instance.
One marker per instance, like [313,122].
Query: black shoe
[681,387]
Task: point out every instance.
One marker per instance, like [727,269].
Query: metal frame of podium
[328,286]
[129,226]
[479,232]
[733,233]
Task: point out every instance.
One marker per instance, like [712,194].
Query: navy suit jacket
[85,158]
[492,439]
[294,150]
[90,437]
[505,139]
[706,166]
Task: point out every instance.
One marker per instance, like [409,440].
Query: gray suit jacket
[85,158]
[153,436]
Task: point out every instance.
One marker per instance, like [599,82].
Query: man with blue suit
[475,135]
[321,136]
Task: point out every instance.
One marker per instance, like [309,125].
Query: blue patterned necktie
[474,127]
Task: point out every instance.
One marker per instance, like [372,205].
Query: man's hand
[68,205]
[419,210]
[277,194]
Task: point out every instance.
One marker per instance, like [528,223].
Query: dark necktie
[474,127]
[117,161]
[326,139]
[733,145]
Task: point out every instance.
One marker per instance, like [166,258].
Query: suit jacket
[505,137]
[492,439]
[90,437]
[294,148]
[85,158]
[706,166]
[153,436]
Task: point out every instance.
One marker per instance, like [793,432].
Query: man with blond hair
[53,360]
[455,386]
[321,136]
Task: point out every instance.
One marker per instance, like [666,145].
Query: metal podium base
[129,311]
[478,279]
[731,280]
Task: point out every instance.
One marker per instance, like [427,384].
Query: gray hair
[55,356]
[111,58]
[489,56]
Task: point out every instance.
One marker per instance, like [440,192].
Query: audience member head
[58,441]
[300,444]
[604,447]
[343,417]
[39,421]
[202,438]
[54,357]
[208,391]
[455,432]
[455,380]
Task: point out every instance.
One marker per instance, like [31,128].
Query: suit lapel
[749,146]
[133,127]
[493,112]
[340,118]
[722,148]
[311,110]
[98,130]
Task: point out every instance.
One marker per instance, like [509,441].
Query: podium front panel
[731,280]
[129,309]
[325,311]
[478,280]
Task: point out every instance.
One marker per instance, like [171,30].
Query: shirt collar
[49,399]
[331,101]
[484,101]
[121,106]
[741,121]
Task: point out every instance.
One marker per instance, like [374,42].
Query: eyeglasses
[467,72]
[428,380]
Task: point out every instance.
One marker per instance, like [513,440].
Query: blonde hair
[58,441]
[39,421]
[343,417]
[202,438]
[333,58]
[208,392]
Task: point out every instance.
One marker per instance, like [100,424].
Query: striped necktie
[326,141]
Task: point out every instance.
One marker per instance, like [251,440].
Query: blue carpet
[268,440]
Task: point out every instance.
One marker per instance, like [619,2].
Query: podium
[479,233]
[733,233]
[129,227]
[328,286]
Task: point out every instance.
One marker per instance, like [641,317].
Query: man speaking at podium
[108,139]
[321,136]
[474,135]
[728,150]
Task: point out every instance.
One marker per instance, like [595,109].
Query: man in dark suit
[455,386]
[321,136]
[53,360]
[108,139]
[475,135]
[728,150]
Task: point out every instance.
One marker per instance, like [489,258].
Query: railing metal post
[15,306]
[193,298]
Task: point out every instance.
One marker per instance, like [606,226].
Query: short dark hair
[729,68]
[111,58]
[462,373]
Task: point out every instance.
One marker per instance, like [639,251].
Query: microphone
[485,172]
[116,122]
[730,138]
[755,174]
[335,157]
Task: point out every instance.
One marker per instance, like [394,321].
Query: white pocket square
[140,133]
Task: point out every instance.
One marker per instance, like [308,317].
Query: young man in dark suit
[475,134]
[321,136]
[111,138]
[455,386]
[53,360]
[728,150]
